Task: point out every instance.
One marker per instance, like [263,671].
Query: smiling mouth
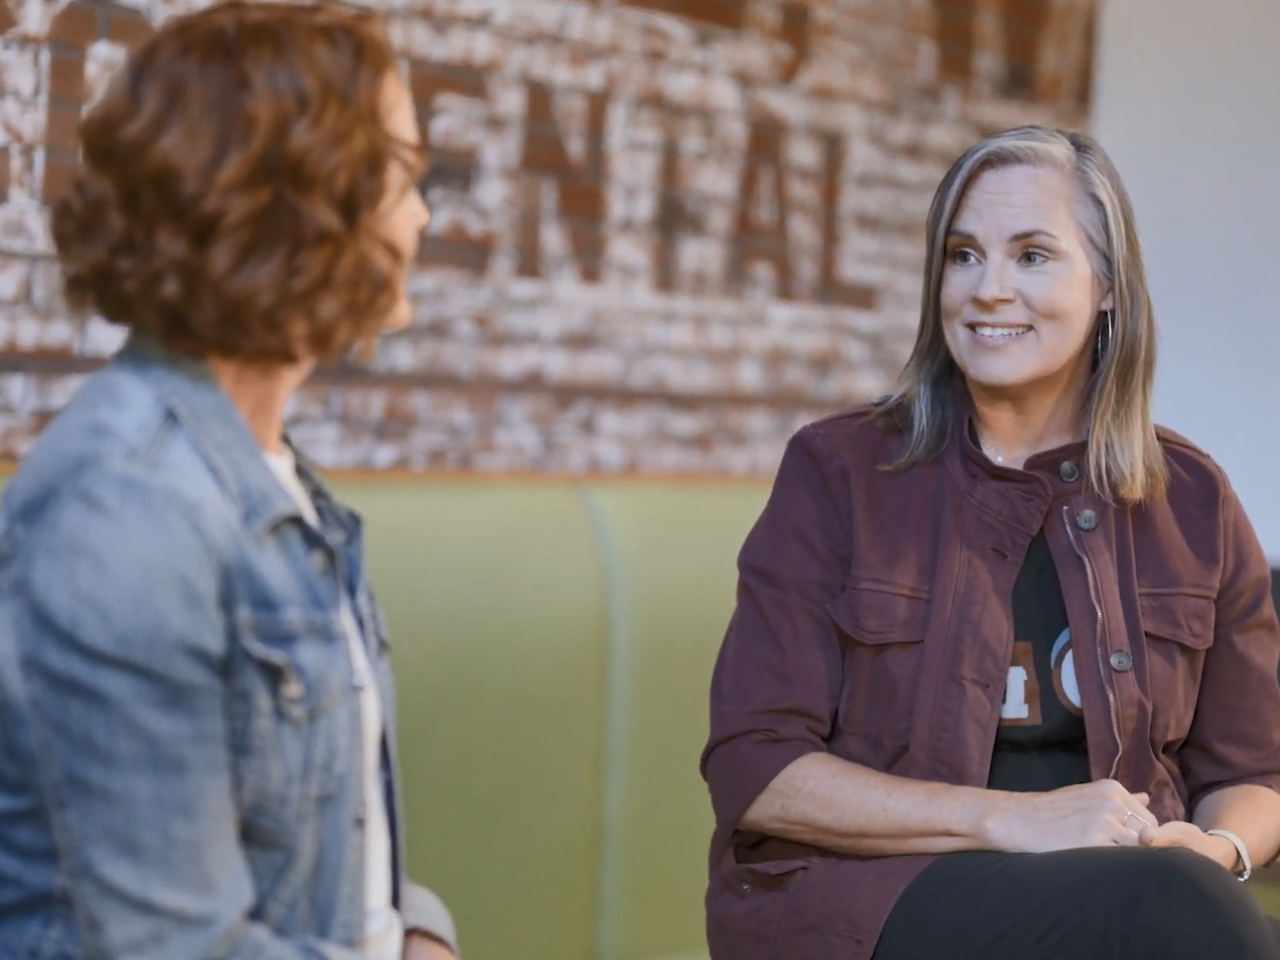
[1004,332]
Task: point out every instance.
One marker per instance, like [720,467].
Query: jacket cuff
[424,912]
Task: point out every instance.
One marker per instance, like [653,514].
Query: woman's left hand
[418,946]
[1179,833]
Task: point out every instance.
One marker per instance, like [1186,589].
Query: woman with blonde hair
[1002,676]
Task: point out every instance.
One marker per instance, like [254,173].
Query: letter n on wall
[579,184]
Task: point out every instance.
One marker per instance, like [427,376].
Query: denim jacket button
[1121,661]
[292,689]
[1087,520]
[1069,472]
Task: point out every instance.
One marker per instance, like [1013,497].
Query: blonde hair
[1124,458]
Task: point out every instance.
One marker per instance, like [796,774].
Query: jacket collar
[195,399]
[1022,496]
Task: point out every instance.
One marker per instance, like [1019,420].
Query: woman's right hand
[1098,814]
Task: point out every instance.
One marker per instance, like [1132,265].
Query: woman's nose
[994,287]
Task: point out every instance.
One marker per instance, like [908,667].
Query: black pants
[1104,903]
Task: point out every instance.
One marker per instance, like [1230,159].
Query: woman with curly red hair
[197,751]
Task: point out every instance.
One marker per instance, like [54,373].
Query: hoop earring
[1104,346]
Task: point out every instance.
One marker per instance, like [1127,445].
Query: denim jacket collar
[198,402]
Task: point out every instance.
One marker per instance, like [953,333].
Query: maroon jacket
[874,622]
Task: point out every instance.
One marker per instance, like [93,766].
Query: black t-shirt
[1040,744]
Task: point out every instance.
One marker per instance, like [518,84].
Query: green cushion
[495,603]
[669,552]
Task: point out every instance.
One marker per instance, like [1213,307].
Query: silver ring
[1125,820]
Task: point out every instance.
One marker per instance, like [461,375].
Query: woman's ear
[1108,302]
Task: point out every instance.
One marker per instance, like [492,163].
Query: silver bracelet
[1241,850]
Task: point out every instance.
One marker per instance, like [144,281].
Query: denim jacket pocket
[292,720]
[1178,628]
[882,626]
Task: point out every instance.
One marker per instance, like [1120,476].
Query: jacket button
[1069,472]
[1087,520]
[292,689]
[1121,661]
[745,888]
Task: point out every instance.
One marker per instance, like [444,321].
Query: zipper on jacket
[1097,637]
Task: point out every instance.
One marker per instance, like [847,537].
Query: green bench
[553,646]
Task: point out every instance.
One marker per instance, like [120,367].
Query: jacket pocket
[292,721]
[883,629]
[1178,628]
[745,905]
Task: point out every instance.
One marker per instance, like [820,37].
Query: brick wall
[667,232]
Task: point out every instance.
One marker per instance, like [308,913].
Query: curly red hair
[231,176]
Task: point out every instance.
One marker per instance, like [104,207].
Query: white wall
[1188,105]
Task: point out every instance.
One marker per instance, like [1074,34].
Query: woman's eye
[1033,258]
[962,257]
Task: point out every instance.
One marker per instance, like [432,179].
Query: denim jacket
[179,732]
